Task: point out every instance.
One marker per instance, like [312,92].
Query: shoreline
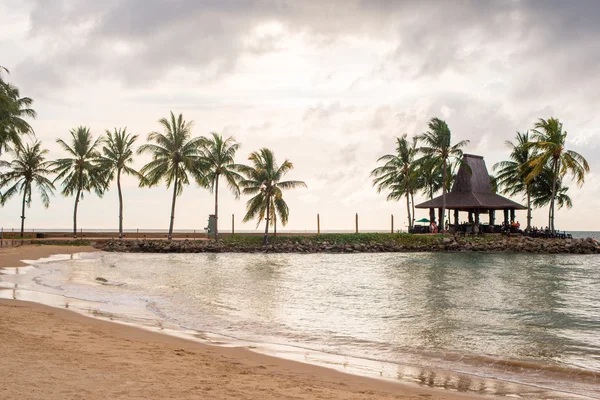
[399,389]
[58,353]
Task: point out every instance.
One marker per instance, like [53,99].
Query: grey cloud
[546,42]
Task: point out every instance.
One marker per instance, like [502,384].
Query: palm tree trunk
[408,210]
[412,201]
[23,213]
[528,207]
[266,237]
[441,223]
[551,212]
[120,203]
[75,213]
[173,205]
[217,207]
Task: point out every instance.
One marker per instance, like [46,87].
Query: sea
[498,324]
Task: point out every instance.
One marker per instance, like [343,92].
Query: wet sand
[52,353]
[12,256]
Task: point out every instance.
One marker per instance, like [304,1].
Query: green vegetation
[551,153]
[263,180]
[339,239]
[28,168]
[174,156]
[399,174]
[82,171]
[217,157]
[14,110]
[438,147]
[117,155]
[512,174]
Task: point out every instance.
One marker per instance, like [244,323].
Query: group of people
[513,226]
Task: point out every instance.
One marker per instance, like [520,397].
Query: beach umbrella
[423,220]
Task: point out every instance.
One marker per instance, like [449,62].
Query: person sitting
[518,225]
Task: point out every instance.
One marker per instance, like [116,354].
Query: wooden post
[318,224]
[137,234]
[512,215]
[506,217]
[477,216]
[492,218]
[440,221]
[232,224]
[431,215]
[356,222]
[13,237]
[470,217]
[392,223]
[455,217]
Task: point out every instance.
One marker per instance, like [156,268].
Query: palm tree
[429,176]
[118,154]
[438,147]
[263,179]
[398,173]
[541,190]
[218,157]
[550,146]
[29,167]
[174,156]
[82,171]
[13,110]
[513,174]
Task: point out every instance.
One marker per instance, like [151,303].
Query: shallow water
[429,318]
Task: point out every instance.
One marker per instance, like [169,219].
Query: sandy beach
[52,353]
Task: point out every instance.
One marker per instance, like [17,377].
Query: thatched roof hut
[472,193]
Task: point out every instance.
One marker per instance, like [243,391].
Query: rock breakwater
[313,245]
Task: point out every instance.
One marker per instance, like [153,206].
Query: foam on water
[444,320]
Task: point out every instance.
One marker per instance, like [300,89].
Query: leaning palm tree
[438,147]
[541,190]
[13,111]
[81,172]
[174,156]
[28,168]
[263,179]
[398,173]
[117,155]
[512,174]
[218,154]
[429,176]
[549,143]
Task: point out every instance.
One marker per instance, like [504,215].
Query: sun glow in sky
[326,84]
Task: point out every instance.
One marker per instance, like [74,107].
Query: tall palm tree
[429,176]
[28,168]
[13,111]
[513,174]
[549,143]
[117,155]
[81,172]
[438,147]
[218,154]
[174,156]
[263,179]
[398,173]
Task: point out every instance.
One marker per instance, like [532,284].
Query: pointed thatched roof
[472,190]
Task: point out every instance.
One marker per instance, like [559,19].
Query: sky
[325,84]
